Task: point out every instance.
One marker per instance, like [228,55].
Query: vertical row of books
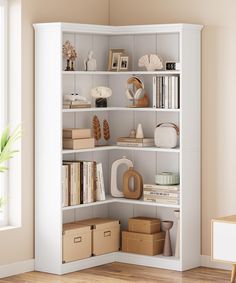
[166,92]
[161,194]
[82,182]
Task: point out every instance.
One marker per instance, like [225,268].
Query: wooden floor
[119,272]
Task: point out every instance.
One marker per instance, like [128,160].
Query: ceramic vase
[139,132]
[177,215]
[115,191]
[166,226]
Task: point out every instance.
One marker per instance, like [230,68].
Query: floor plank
[120,272]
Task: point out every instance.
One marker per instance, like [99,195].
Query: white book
[89,174]
[169,92]
[85,182]
[166,88]
[173,92]
[158,80]
[100,188]
[155,187]
[154,94]
[65,185]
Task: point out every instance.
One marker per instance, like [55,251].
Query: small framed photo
[113,60]
[123,63]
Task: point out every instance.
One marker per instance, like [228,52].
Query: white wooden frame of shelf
[97,109]
[111,147]
[110,199]
[160,73]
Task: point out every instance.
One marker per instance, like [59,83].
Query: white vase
[115,191]
[177,215]
[139,132]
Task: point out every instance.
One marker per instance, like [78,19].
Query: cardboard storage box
[145,244]
[144,225]
[77,242]
[78,143]
[105,235]
[71,133]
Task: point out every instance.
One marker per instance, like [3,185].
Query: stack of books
[67,104]
[137,142]
[77,138]
[82,182]
[166,92]
[161,194]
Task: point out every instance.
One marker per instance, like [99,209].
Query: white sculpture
[151,62]
[139,132]
[115,191]
[90,63]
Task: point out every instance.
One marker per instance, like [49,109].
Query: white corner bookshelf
[173,42]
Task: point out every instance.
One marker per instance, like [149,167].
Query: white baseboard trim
[16,268]
[207,262]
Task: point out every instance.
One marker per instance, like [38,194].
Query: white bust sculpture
[90,63]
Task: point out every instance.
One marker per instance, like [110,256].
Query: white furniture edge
[120,30]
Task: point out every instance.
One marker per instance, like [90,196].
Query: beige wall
[218,96]
[218,90]
[18,244]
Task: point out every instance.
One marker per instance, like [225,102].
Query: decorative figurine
[90,63]
[151,62]
[69,54]
[137,191]
[139,132]
[115,191]
[96,129]
[101,93]
[106,131]
[167,225]
[132,134]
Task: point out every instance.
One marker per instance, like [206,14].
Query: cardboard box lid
[75,228]
[101,223]
[142,236]
[146,219]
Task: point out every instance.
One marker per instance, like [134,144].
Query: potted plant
[7,139]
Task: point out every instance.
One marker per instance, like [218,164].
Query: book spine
[164,201]
[78,183]
[173,92]
[161,93]
[72,184]
[135,144]
[65,181]
[94,168]
[166,88]
[81,183]
[89,178]
[100,193]
[160,187]
[169,91]
[154,95]
[158,91]
[161,194]
[85,182]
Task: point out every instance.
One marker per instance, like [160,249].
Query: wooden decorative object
[106,130]
[166,226]
[96,129]
[137,191]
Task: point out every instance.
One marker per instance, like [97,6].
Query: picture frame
[113,59]
[123,62]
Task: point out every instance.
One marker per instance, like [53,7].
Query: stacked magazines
[161,194]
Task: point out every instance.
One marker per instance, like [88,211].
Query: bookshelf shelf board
[163,262]
[110,199]
[121,73]
[110,147]
[97,109]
